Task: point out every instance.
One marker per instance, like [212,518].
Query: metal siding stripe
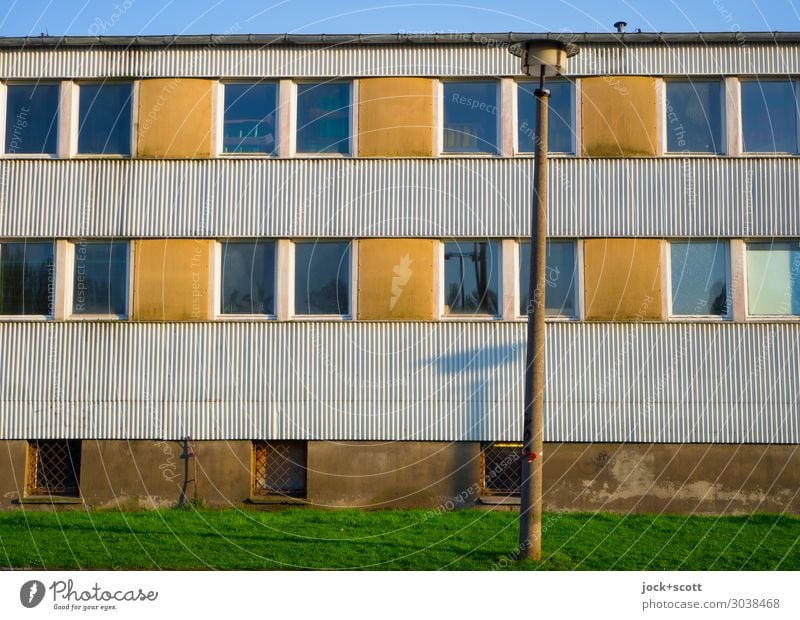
[426,198]
[446,381]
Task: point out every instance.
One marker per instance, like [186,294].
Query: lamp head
[548,53]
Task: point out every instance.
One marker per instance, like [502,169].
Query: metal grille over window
[280,468]
[501,468]
[54,467]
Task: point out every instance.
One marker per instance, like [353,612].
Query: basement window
[248,277]
[32,119]
[323,117]
[471,117]
[27,278]
[561,119]
[250,123]
[561,274]
[770,116]
[501,469]
[54,467]
[471,277]
[279,468]
[105,121]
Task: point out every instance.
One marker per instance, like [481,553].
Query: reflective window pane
[471,277]
[769,116]
[694,116]
[105,118]
[561,117]
[32,118]
[101,278]
[470,117]
[27,276]
[251,118]
[248,277]
[699,278]
[559,298]
[323,118]
[773,278]
[322,278]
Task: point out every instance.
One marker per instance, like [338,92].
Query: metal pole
[530,510]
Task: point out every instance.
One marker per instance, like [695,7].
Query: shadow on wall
[478,393]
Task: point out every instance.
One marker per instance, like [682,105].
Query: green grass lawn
[467,540]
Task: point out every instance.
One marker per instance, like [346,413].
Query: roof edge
[403,38]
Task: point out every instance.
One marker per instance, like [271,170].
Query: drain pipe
[186,454]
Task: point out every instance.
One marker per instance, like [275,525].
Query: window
[561,119]
[32,119]
[560,277]
[104,125]
[248,277]
[501,468]
[470,117]
[694,116]
[323,117]
[699,278]
[251,118]
[54,467]
[100,282]
[769,116]
[27,277]
[471,277]
[279,468]
[773,278]
[322,277]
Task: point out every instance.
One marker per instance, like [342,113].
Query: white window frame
[441,283]
[63,118]
[352,119]
[440,116]
[661,89]
[217,289]
[770,78]
[56,274]
[577,278]
[730,291]
[763,318]
[69,273]
[575,91]
[76,119]
[353,292]
[219,125]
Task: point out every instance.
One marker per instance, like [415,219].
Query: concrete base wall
[668,478]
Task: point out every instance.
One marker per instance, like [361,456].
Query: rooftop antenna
[620,26]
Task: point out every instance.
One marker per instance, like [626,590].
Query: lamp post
[540,58]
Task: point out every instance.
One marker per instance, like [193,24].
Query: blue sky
[131,17]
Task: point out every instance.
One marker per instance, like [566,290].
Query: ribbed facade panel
[757,197]
[491,59]
[447,381]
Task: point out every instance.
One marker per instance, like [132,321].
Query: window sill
[471,317]
[499,500]
[480,155]
[48,499]
[102,156]
[247,317]
[272,500]
[13,318]
[96,317]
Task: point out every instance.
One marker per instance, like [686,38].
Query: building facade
[297,265]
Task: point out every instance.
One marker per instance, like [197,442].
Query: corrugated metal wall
[418,197]
[410,381]
[740,58]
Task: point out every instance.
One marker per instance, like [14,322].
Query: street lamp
[539,58]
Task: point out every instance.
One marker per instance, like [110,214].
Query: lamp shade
[547,53]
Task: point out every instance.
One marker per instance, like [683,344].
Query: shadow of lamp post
[539,58]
